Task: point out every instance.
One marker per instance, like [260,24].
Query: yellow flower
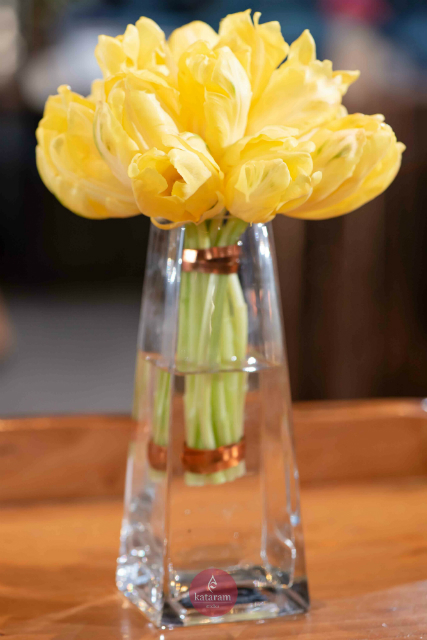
[134,111]
[70,164]
[359,157]
[215,95]
[279,133]
[303,93]
[268,174]
[260,48]
[179,183]
[181,39]
[142,46]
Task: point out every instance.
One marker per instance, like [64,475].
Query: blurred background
[354,289]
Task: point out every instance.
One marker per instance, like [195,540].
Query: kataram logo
[213,592]
[212,583]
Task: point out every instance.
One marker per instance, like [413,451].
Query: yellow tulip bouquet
[214,131]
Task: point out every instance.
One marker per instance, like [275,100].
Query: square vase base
[252,604]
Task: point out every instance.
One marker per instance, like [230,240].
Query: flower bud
[358,156]
[267,174]
[70,164]
[180,183]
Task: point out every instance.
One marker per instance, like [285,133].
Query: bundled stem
[213,329]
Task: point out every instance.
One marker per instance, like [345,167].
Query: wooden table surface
[366,544]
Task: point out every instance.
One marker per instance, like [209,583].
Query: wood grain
[366,552]
[63,457]
[76,456]
[361,439]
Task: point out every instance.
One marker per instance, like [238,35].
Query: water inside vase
[244,521]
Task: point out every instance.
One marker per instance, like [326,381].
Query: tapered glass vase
[212,483]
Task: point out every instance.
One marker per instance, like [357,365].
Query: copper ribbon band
[157,456]
[212,460]
[221,260]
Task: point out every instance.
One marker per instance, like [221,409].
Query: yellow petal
[255,193]
[337,156]
[260,48]
[130,43]
[303,93]
[97,92]
[299,192]
[151,107]
[215,95]
[193,172]
[191,142]
[142,46]
[266,143]
[110,56]
[181,39]
[152,46]
[115,146]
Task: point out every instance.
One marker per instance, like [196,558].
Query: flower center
[171,176]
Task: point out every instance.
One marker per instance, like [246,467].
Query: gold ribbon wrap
[213,460]
[220,260]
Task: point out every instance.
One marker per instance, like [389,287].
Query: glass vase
[212,484]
